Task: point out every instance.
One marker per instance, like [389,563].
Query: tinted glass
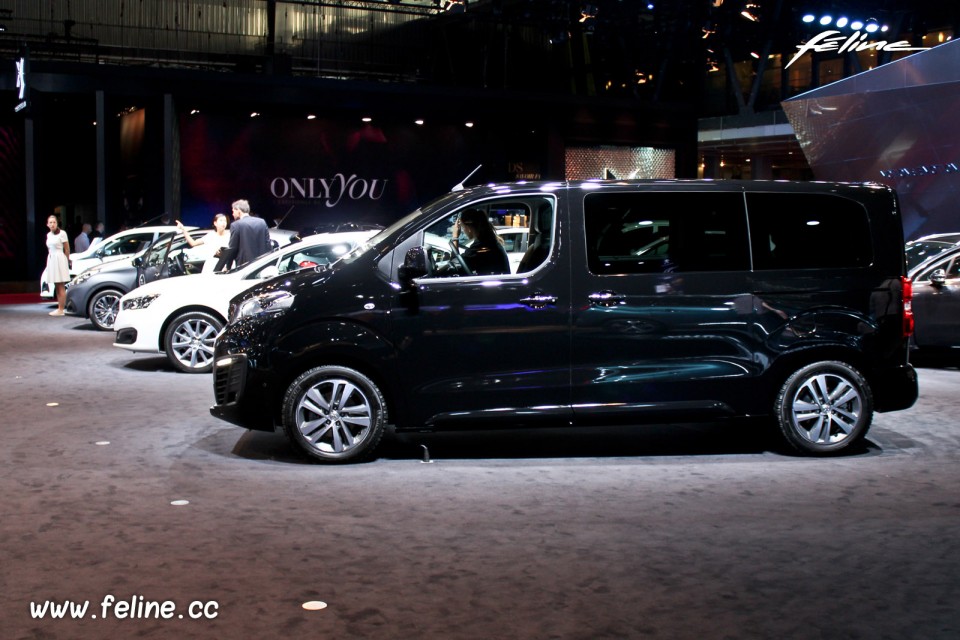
[317,256]
[808,231]
[655,232]
[527,245]
[127,245]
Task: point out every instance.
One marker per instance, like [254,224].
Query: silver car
[936,302]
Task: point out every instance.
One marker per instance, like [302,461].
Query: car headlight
[83,277]
[267,303]
[140,302]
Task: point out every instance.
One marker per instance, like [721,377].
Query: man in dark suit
[249,236]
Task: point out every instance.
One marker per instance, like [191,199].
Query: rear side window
[808,231]
[672,231]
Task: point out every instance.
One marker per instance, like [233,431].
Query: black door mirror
[938,277]
[137,262]
[414,266]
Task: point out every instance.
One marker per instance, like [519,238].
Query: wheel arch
[337,343]
[179,312]
[100,288]
[786,364]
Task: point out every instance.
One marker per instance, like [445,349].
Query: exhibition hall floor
[120,490]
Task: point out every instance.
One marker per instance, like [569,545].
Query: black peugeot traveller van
[634,302]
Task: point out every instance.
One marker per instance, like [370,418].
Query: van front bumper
[241,393]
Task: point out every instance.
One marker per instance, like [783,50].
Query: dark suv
[635,302]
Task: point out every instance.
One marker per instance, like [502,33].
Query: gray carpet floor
[680,531]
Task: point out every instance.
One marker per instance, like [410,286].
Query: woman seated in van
[485,254]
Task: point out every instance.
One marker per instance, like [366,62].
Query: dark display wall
[322,172]
[897,125]
[12,202]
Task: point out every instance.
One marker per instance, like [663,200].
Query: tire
[334,414]
[189,341]
[824,408]
[103,307]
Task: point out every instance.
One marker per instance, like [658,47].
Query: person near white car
[181,317]
[82,241]
[213,242]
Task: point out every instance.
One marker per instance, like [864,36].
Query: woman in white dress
[58,262]
[213,241]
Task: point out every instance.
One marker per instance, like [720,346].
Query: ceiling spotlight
[808,18]
[311,117]
[884,29]
[468,125]
[194,112]
[367,119]
[871,27]
[418,122]
[749,16]
[842,22]
[825,20]
[254,114]
[856,25]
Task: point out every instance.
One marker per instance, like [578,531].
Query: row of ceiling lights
[826,20]
[367,119]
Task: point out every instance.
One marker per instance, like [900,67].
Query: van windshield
[402,223]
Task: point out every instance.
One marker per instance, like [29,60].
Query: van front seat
[539,243]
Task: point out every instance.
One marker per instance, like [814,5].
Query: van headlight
[275,302]
[140,302]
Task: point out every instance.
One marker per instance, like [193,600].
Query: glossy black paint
[561,345]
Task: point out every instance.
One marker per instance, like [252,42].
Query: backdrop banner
[315,174]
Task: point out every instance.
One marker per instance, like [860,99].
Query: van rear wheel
[824,408]
[334,414]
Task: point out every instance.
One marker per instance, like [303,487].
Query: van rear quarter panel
[728,340]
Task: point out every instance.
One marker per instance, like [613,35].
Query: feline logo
[827,41]
[21,78]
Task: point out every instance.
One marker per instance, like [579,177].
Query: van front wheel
[334,414]
[824,408]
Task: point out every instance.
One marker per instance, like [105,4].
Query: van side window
[808,231]
[524,227]
[665,231]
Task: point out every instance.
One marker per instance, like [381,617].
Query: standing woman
[215,242]
[58,263]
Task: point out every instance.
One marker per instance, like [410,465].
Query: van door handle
[606,298]
[539,300]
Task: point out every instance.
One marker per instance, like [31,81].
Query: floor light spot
[180,503]
[102,443]
[53,404]
[314,605]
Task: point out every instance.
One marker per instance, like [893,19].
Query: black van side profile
[635,302]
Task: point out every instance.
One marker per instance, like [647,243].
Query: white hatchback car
[181,317]
[123,244]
